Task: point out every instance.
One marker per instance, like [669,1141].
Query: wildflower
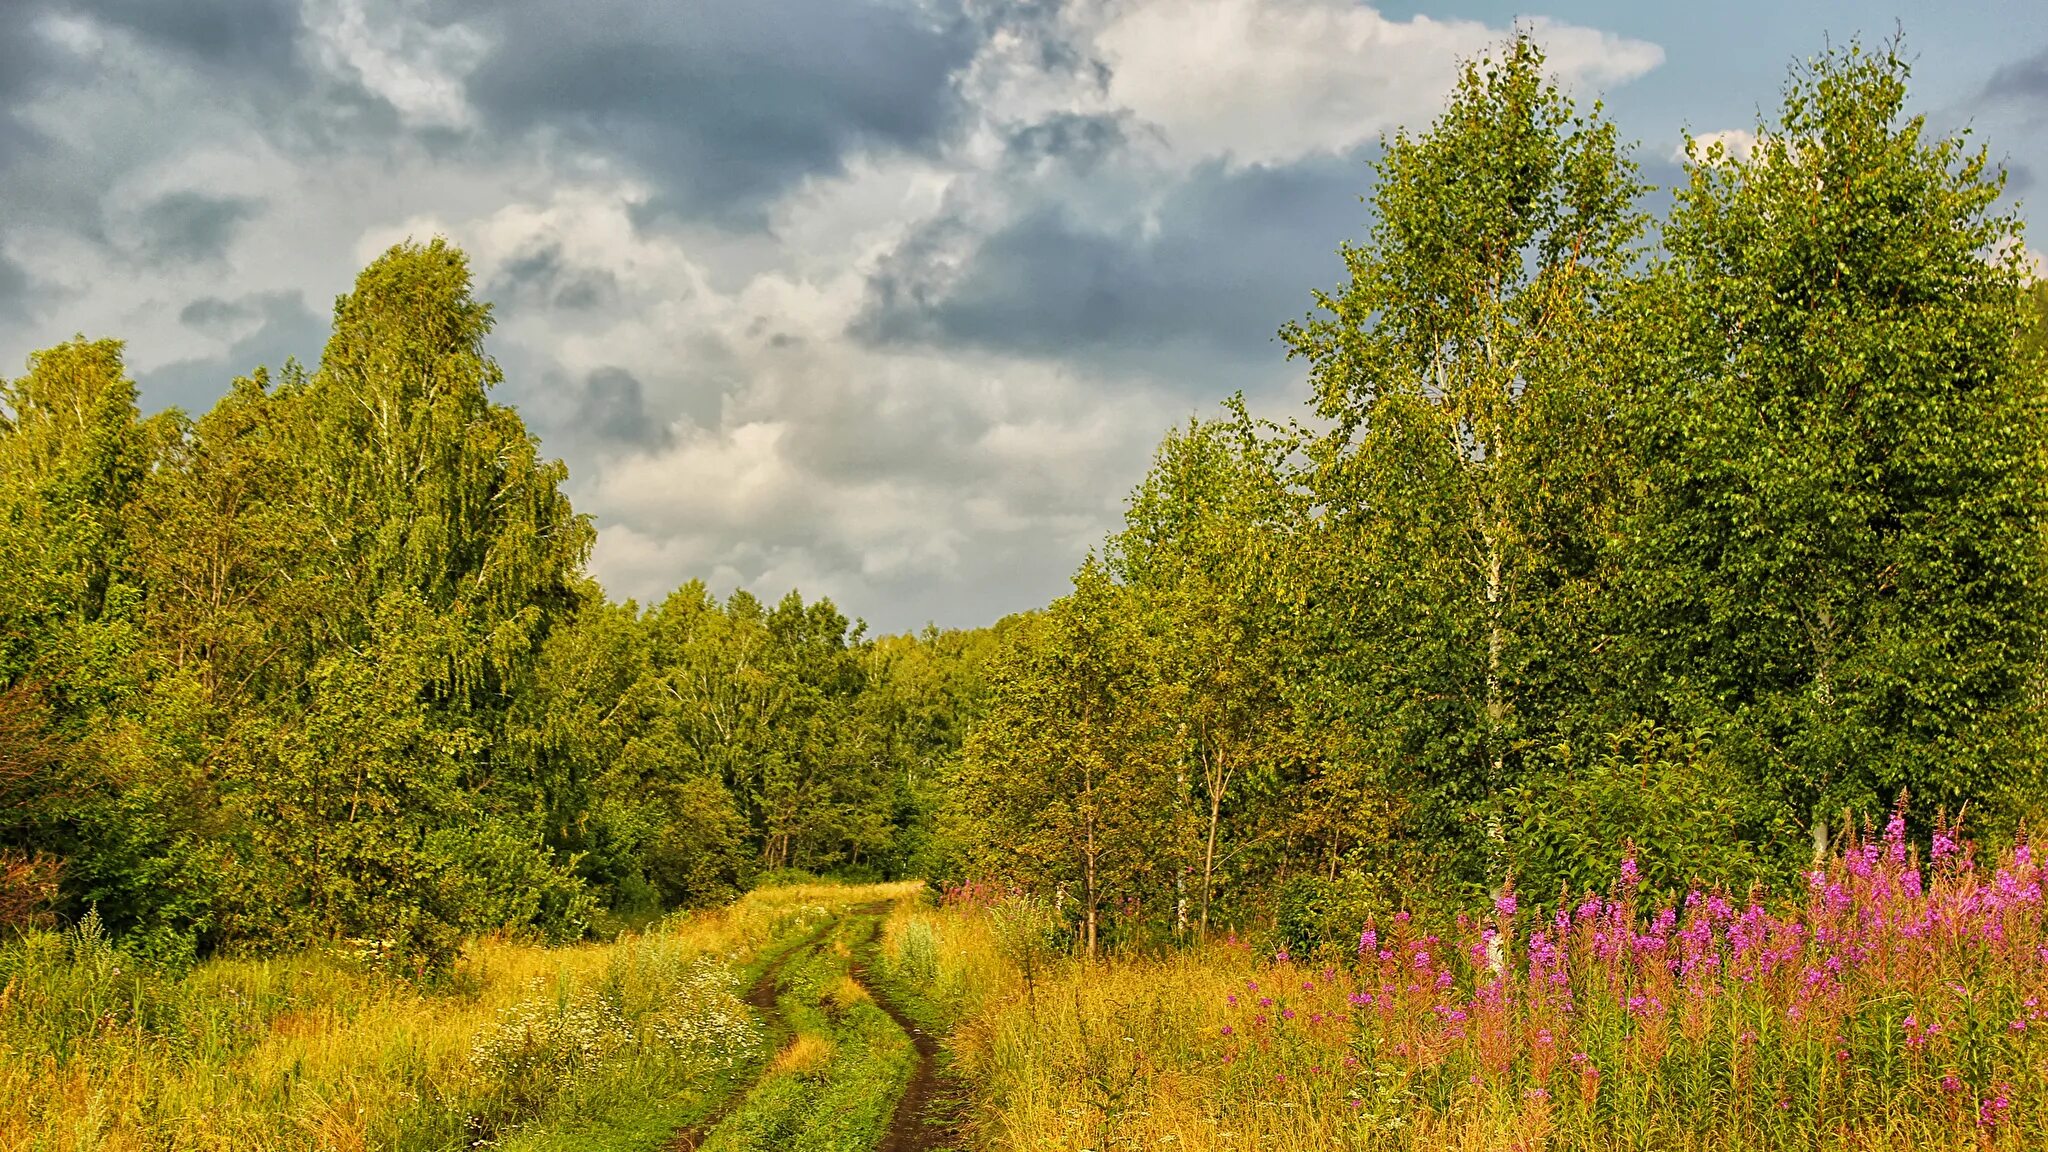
[1232,998]
[1950,1084]
[1631,878]
[1536,1094]
[1505,906]
[1227,1030]
[1287,1013]
[1944,845]
[1991,1111]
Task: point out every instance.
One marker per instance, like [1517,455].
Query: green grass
[634,1108]
[834,1088]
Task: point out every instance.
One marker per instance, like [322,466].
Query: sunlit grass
[1891,1008]
[315,1052]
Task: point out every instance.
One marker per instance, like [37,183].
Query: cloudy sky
[883,299]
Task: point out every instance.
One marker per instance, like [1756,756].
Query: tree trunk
[1092,896]
[1209,858]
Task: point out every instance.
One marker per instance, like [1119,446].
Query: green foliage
[1670,798]
[1837,562]
[1069,780]
[324,665]
[1464,480]
[1593,547]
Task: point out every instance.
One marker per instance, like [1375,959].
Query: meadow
[1896,1005]
[614,1044]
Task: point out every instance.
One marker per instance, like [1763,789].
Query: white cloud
[1736,144]
[414,66]
[1268,81]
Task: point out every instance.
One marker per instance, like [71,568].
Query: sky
[886,300]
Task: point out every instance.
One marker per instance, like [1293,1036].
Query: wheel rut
[763,997]
[925,1116]
[924,1120]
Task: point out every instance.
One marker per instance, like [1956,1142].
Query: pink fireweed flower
[1227,1030]
[1536,1094]
[1631,878]
[1950,1084]
[1505,906]
[1944,845]
[1991,1111]
[1265,1001]
[1368,940]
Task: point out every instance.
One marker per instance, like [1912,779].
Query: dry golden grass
[846,994]
[808,1052]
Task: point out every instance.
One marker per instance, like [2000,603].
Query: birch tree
[1462,473]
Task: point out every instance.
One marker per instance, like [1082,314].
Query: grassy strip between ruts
[833,1087]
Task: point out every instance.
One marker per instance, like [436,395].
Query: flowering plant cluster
[1890,1003]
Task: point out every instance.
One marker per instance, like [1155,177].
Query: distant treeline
[1717,535]
[324,665]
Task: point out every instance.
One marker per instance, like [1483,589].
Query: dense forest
[1717,537]
[324,664]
